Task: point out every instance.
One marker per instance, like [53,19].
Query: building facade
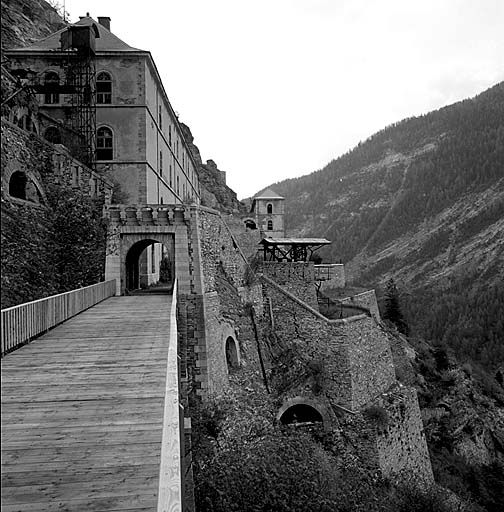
[139,141]
[268,212]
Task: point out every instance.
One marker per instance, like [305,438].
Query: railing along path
[22,323]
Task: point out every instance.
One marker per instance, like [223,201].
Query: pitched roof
[106,42]
[268,194]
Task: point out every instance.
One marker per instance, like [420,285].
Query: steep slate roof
[106,42]
[268,194]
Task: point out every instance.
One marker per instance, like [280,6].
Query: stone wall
[46,165]
[218,249]
[366,300]
[402,448]
[352,354]
[297,278]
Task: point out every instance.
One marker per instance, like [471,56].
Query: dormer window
[103,89]
[51,86]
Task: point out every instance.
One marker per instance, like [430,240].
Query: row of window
[103,88]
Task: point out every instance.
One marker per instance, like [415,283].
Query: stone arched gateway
[303,410]
[134,228]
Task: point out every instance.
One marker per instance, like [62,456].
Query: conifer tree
[393,311]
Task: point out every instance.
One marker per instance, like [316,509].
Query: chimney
[104,21]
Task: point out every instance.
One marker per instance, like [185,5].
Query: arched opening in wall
[150,267]
[301,414]
[232,360]
[250,224]
[269,209]
[22,187]
[17,185]
[52,135]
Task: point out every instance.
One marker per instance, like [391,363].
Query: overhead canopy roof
[291,249]
[295,241]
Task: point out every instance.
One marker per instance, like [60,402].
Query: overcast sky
[275,89]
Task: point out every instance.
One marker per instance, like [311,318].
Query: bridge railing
[171,466]
[24,322]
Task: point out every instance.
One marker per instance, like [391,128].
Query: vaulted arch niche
[21,186]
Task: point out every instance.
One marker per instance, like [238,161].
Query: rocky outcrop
[214,191]
[26,21]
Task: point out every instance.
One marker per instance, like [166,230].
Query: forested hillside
[421,201]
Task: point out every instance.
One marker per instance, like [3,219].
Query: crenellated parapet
[146,214]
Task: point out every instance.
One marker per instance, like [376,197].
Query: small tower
[268,210]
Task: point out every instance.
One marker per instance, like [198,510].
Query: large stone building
[139,141]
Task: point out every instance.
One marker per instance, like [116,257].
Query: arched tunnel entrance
[301,413]
[150,266]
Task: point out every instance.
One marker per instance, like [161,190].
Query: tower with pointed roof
[268,210]
[139,141]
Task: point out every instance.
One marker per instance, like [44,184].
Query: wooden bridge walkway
[83,411]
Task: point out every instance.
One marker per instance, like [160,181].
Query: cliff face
[26,21]
[214,191]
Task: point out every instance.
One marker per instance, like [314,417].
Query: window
[178,185]
[52,134]
[103,89]
[161,163]
[171,176]
[160,118]
[269,209]
[153,258]
[104,149]
[169,135]
[51,83]
[270,225]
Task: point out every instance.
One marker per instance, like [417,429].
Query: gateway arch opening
[150,266]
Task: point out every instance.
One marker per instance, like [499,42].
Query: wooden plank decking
[82,411]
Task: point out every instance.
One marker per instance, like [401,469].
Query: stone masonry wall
[47,164]
[218,249]
[356,360]
[402,447]
[370,361]
[297,278]
[365,300]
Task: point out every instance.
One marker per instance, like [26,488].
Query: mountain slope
[422,201]
[419,200]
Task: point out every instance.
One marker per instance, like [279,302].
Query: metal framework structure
[78,45]
[291,249]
